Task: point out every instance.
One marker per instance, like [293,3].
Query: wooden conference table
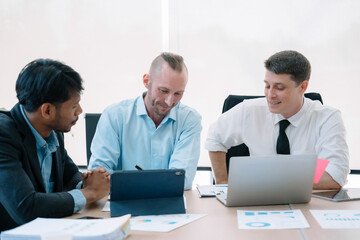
[221,222]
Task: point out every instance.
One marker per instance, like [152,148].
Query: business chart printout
[271,219]
[162,223]
[337,219]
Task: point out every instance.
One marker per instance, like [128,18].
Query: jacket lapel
[57,172]
[30,147]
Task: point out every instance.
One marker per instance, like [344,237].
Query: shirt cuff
[338,174]
[79,199]
[79,185]
[215,147]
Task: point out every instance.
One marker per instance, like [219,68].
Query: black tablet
[147,192]
[339,195]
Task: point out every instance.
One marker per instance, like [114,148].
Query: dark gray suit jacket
[22,192]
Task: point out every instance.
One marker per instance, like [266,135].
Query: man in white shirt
[311,128]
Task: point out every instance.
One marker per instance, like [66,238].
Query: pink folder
[320,169]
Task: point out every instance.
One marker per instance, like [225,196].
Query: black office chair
[230,102]
[91,121]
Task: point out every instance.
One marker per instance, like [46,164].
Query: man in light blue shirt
[153,131]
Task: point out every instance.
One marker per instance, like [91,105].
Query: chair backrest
[91,121]
[230,102]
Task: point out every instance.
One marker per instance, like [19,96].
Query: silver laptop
[266,180]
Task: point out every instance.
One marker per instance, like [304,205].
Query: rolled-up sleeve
[332,146]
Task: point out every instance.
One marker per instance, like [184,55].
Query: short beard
[153,104]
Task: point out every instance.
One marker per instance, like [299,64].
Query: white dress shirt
[314,129]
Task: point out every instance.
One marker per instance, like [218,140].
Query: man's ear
[303,86]
[146,80]
[47,111]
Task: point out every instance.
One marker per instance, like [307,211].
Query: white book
[76,229]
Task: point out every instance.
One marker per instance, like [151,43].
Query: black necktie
[282,145]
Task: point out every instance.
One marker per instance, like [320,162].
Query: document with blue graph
[162,223]
[337,219]
[290,219]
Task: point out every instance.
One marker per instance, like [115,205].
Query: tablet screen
[339,195]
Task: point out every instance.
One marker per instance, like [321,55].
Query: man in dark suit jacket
[37,177]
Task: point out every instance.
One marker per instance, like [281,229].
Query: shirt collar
[295,119]
[51,142]
[141,109]
[140,105]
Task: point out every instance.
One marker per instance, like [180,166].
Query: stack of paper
[76,229]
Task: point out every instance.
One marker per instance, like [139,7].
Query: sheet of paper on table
[337,219]
[289,219]
[162,223]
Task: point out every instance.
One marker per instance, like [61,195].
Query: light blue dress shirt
[126,136]
[44,149]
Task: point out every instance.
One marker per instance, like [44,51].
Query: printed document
[211,190]
[271,219]
[162,223]
[337,219]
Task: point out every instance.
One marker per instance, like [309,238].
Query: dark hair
[290,62]
[176,62]
[46,81]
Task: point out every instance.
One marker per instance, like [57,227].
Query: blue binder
[147,192]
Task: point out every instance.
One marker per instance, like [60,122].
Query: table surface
[221,222]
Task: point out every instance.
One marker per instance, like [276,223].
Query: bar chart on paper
[337,219]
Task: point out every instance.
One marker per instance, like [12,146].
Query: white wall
[111,43]
[226,43]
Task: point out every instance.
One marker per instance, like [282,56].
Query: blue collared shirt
[44,149]
[126,136]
